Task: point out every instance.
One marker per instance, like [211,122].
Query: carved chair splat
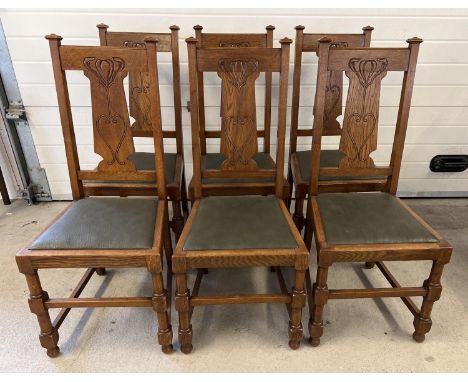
[238,231]
[231,90]
[138,85]
[299,160]
[98,233]
[371,227]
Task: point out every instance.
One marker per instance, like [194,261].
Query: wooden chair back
[238,69]
[365,68]
[106,68]
[138,81]
[235,40]
[308,42]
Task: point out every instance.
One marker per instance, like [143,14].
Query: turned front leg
[48,336]
[422,322]
[320,295]
[160,306]
[182,305]
[298,299]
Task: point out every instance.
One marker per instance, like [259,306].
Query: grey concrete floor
[360,335]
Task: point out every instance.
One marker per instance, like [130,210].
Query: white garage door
[438,120]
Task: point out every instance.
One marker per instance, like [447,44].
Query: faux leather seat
[213,161]
[102,223]
[239,222]
[328,158]
[369,218]
[145,161]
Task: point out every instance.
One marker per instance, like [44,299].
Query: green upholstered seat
[145,161]
[102,223]
[213,161]
[239,222]
[369,218]
[328,158]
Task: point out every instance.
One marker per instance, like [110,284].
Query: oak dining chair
[238,231]
[372,227]
[141,127]
[104,232]
[299,160]
[213,160]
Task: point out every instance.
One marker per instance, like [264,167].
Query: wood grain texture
[238,113]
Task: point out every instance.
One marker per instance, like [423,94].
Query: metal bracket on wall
[35,186]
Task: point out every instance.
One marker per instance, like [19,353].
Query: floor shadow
[73,338]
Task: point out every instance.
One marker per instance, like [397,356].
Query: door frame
[30,177]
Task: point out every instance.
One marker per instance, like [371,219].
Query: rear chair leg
[422,323]
[370,264]
[182,305]
[320,296]
[48,336]
[298,299]
[177,218]
[291,185]
[160,306]
[183,196]
[298,216]
[101,271]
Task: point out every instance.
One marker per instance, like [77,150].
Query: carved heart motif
[237,149]
[360,129]
[112,129]
[140,97]
[335,92]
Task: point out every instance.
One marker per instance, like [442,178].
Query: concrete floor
[360,335]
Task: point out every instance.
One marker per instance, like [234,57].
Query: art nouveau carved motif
[238,113]
[340,44]
[138,84]
[241,44]
[359,135]
[139,98]
[112,136]
[333,104]
[134,44]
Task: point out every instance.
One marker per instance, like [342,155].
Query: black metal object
[449,163]
[3,189]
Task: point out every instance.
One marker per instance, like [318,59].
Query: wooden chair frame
[30,261]
[396,59]
[177,190]
[235,40]
[305,43]
[268,59]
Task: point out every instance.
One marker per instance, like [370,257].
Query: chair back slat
[138,80]
[365,68]
[308,42]
[106,68]
[238,69]
[235,40]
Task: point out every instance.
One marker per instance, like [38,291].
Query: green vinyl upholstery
[328,158]
[239,222]
[213,161]
[369,218]
[146,162]
[102,223]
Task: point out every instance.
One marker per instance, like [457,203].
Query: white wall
[438,120]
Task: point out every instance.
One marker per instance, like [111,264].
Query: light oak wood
[365,68]
[245,65]
[139,105]
[106,68]
[332,98]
